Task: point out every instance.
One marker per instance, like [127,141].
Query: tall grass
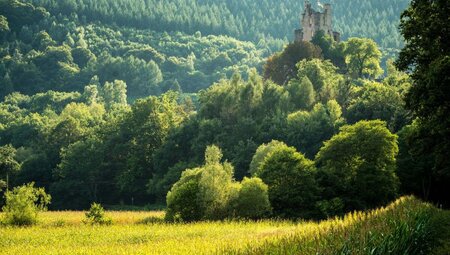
[404,227]
[407,226]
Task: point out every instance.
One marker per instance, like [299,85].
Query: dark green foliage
[20,14]
[331,49]
[413,169]
[60,52]
[68,79]
[8,163]
[266,21]
[426,57]
[290,176]
[303,95]
[182,201]
[358,166]
[308,130]
[377,101]
[23,204]
[281,67]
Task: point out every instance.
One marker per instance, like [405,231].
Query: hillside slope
[246,19]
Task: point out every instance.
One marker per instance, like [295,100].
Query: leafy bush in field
[23,204]
[182,201]
[96,215]
[210,193]
[293,189]
[252,201]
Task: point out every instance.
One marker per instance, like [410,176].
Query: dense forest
[43,52]
[96,42]
[158,101]
[247,20]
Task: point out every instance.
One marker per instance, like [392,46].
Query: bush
[96,215]
[293,190]
[210,193]
[23,204]
[253,199]
[182,201]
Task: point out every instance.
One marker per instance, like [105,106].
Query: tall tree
[363,58]
[426,56]
[358,165]
[8,164]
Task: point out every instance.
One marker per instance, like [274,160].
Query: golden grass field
[146,233]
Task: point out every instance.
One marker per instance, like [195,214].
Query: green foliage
[292,186]
[214,185]
[68,77]
[358,165]
[23,205]
[4,26]
[252,201]
[182,201]
[268,22]
[426,57]
[114,93]
[261,153]
[303,95]
[377,101]
[61,52]
[412,167]
[331,49]
[8,163]
[210,193]
[96,215]
[308,130]
[282,67]
[209,186]
[363,58]
[323,76]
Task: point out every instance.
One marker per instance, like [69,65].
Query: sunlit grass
[146,233]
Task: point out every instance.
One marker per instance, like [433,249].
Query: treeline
[93,146]
[246,20]
[41,52]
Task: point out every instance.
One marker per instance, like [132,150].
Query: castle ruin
[313,21]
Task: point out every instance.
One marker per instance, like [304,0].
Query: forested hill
[244,19]
[40,51]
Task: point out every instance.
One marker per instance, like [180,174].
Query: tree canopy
[426,56]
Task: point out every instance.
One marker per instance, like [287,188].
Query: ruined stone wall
[312,21]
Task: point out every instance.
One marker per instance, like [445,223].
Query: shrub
[23,204]
[96,215]
[293,190]
[210,193]
[182,201]
[253,199]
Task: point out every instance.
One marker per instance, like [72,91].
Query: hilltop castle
[313,21]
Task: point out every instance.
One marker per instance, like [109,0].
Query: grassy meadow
[407,226]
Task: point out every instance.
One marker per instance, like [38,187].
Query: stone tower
[313,21]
